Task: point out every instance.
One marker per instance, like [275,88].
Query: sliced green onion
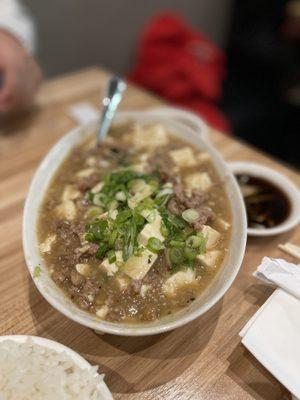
[112,214]
[154,244]
[98,199]
[111,255]
[112,205]
[137,185]
[164,230]
[148,203]
[202,247]
[89,196]
[190,253]
[94,212]
[129,241]
[112,238]
[164,192]
[194,241]
[121,196]
[190,215]
[98,228]
[149,215]
[139,220]
[138,251]
[123,215]
[176,243]
[176,221]
[176,256]
[90,237]
[101,250]
[37,272]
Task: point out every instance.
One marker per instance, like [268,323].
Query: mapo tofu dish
[135,229]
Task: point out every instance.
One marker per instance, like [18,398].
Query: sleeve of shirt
[15,19]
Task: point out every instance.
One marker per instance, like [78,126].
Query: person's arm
[14,18]
[20,74]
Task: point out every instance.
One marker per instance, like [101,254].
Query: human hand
[20,75]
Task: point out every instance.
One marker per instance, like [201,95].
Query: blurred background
[237,63]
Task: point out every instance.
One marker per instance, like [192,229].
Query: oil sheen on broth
[134,230]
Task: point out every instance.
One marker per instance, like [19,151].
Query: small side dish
[266,204]
[32,371]
[271,199]
[134,230]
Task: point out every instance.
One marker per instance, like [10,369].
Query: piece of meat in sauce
[180,201]
[164,165]
[88,182]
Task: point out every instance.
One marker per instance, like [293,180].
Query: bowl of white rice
[34,368]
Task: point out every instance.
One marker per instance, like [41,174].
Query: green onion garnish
[176,243]
[155,245]
[101,250]
[190,253]
[176,256]
[37,272]
[190,215]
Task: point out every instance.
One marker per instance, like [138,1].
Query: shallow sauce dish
[283,184]
[189,132]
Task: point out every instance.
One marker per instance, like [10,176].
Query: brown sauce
[267,206]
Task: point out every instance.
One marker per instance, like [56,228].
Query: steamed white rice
[32,372]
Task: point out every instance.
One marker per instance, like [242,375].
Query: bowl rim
[282,182]
[119,329]
[59,348]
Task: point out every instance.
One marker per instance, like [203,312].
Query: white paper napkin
[280,273]
[83,113]
[272,335]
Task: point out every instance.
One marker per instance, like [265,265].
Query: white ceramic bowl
[59,348]
[191,129]
[283,183]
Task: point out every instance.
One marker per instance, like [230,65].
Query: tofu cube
[66,210]
[152,136]
[203,157]
[112,268]
[183,157]
[151,230]
[70,193]
[136,267]
[91,161]
[138,197]
[46,246]
[102,311]
[83,269]
[85,173]
[209,259]
[97,188]
[178,280]
[223,224]
[212,236]
[198,180]
[140,167]
[122,282]
[144,157]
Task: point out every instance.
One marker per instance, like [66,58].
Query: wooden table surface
[202,360]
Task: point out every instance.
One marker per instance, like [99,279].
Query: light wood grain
[202,360]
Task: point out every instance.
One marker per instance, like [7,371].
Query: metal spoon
[110,102]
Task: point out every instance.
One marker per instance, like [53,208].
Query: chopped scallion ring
[154,245]
[190,215]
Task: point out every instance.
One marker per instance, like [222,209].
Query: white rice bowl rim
[60,348]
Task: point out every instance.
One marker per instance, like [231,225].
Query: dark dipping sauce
[266,205]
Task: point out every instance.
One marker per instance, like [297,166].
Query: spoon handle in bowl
[110,102]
